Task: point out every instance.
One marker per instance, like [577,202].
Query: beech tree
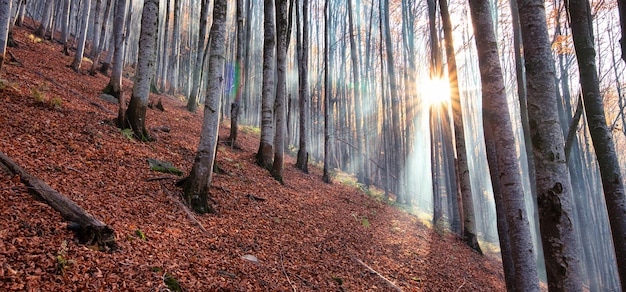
[303,59]
[78,58]
[554,191]
[5,17]
[266,150]
[196,185]
[601,136]
[498,125]
[281,89]
[192,102]
[44,26]
[135,116]
[235,107]
[114,87]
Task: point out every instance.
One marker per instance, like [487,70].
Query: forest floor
[306,235]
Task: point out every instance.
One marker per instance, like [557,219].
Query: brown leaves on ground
[306,235]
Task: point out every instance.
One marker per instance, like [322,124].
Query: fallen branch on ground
[391,284]
[74,92]
[182,206]
[89,230]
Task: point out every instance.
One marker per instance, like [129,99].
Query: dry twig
[391,284]
[182,206]
[285,272]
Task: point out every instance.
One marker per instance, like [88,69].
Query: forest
[496,124]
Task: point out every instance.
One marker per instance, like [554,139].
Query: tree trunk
[89,231]
[281,88]
[100,45]
[326,171]
[45,19]
[497,120]
[360,157]
[78,58]
[264,155]
[5,16]
[462,172]
[303,66]
[136,112]
[192,103]
[96,31]
[601,136]
[114,86]
[175,63]
[196,186]
[65,22]
[239,78]
[554,191]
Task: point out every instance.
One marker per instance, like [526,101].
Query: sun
[434,91]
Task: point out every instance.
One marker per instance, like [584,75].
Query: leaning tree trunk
[78,58]
[196,186]
[89,230]
[281,89]
[136,112]
[5,16]
[497,121]
[601,136]
[554,190]
[264,155]
[462,170]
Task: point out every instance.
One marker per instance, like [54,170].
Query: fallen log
[89,230]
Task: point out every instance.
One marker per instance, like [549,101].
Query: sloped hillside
[305,235]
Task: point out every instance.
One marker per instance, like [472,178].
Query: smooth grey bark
[5,16]
[498,122]
[192,103]
[469,217]
[264,155]
[360,157]
[196,186]
[20,14]
[554,191]
[326,170]
[65,23]
[165,48]
[281,89]
[114,86]
[96,25]
[235,107]
[175,62]
[80,50]
[601,136]
[100,46]
[303,66]
[136,112]
[45,19]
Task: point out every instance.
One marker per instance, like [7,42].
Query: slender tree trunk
[5,16]
[497,121]
[96,25]
[264,155]
[469,220]
[239,78]
[78,58]
[360,157]
[136,112]
[115,83]
[100,46]
[165,50]
[601,136]
[281,88]
[303,66]
[554,191]
[175,63]
[65,22]
[196,186]
[192,103]
[326,171]
[45,20]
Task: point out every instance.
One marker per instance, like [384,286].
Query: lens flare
[434,91]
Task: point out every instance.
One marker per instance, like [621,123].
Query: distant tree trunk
[281,88]
[360,157]
[175,63]
[303,66]
[114,86]
[395,104]
[78,58]
[5,17]
[100,45]
[554,191]
[20,14]
[239,78]
[192,103]
[45,19]
[264,155]
[601,136]
[469,218]
[165,48]
[96,25]
[435,162]
[65,22]
[326,171]
[497,121]
[196,186]
[621,4]
[136,112]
